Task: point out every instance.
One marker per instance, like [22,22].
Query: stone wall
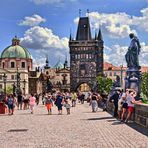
[141,114]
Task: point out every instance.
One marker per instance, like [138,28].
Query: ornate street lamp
[18,78]
[121,70]
[5,80]
[14,89]
[24,82]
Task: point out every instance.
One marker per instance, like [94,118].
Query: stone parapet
[141,114]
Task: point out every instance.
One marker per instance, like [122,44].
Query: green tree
[104,85]
[144,86]
[9,90]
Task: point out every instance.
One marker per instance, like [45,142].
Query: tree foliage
[144,85]
[9,90]
[104,85]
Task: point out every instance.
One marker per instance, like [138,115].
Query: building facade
[15,62]
[86,56]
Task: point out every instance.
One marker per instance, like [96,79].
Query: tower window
[12,77]
[3,65]
[12,65]
[23,65]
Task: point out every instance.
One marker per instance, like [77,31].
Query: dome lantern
[15,41]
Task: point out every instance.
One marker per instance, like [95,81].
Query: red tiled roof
[109,66]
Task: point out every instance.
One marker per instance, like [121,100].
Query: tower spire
[100,35]
[79,13]
[70,37]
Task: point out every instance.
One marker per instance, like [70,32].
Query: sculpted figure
[133,52]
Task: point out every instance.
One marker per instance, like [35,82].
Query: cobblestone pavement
[80,129]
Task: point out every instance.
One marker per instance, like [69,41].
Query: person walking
[19,101]
[94,103]
[49,104]
[11,104]
[32,102]
[73,99]
[67,106]
[59,102]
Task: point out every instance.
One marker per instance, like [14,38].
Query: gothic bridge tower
[86,56]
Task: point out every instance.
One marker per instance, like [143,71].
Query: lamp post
[121,70]
[5,79]
[24,82]
[14,89]
[18,78]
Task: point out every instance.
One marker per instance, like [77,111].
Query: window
[3,65]
[12,77]
[115,73]
[12,65]
[86,56]
[1,86]
[23,65]
[110,74]
[47,73]
[1,77]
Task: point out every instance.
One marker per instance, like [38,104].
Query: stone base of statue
[133,78]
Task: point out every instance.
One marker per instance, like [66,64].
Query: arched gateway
[86,56]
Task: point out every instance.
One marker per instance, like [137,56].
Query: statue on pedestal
[132,79]
[133,52]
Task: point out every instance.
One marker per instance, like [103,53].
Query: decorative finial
[79,12]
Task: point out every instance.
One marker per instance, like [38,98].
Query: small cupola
[15,41]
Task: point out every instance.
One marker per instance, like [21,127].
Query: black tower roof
[83,31]
[100,35]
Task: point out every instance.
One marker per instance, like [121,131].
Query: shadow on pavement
[134,126]
[139,128]
[112,120]
[102,118]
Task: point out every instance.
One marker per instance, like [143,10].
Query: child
[32,102]
[49,104]
[67,106]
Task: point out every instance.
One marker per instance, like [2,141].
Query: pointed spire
[83,30]
[100,35]
[66,62]
[47,61]
[70,37]
[95,35]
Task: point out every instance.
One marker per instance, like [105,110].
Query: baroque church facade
[86,56]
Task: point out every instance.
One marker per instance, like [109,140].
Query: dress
[94,104]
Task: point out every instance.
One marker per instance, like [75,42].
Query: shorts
[130,108]
[60,107]
[10,106]
[48,106]
[125,105]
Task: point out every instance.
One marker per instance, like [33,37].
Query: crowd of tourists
[124,104]
[58,99]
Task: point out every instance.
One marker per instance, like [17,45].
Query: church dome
[59,65]
[15,50]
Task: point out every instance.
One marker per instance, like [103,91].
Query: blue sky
[44,26]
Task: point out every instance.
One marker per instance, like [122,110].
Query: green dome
[15,51]
[59,65]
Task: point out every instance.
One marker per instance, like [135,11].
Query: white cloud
[38,2]
[42,41]
[32,20]
[142,21]
[120,24]
[116,54]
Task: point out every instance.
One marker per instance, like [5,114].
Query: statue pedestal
[132,80]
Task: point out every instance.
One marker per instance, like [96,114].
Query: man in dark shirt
[114,98]
[19,101]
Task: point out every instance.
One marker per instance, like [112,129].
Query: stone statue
[133,52]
